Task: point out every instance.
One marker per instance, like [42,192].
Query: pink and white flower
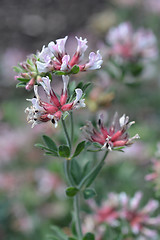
[42,111]
[115,136]
[130,45]
[55,58]
[140,221]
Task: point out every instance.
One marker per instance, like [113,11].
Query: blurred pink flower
[48,182]
[130,45]
[139,220]
[152,6]
[119,209]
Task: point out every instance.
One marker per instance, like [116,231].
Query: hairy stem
[72,126]
[77,216]
[66,133]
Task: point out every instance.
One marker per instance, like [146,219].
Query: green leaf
[71,191]
[23,79]
[48,150]
[64,151]
[86,86]
[55,154]
[89,236]
[89,193]
[75,69]
[50,143]
[76,170]
[58,233]
[79,148]
[39,145]
[71,238]
[20,84]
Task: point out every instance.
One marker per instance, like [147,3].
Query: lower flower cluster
[124,213]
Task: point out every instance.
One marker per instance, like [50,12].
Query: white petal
[65,82]
[42,67]
[65,63]
[79,93]
[134,203]
[82,45]
[46,84]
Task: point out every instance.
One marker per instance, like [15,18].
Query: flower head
[55,58]
[130,45]
[140,221]
[115,136]
[42,111]
[28,74]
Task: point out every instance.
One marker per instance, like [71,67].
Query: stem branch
[87,180]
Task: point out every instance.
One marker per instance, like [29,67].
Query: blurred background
[32,185]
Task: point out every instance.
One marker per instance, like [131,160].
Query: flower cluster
[119,209]
[42,111]
[54,57]
[28,74]
[155,174]
[130,45]
[115,136]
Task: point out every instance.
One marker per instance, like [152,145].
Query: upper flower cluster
[130,45]
[115,136]
[52,110]
[120,208]
[54,57]
[28,74]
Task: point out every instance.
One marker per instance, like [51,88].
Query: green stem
[67,162]
[77,216]
[66,133]
[87,180]
[72,126]
[70,180]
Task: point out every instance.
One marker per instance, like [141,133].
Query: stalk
[77,216]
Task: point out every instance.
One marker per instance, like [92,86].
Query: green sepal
[89,236]
[79,148]
[120,149]
[64,151]
[60,73]
[71,191]
[97,147]
[65,114]
[89,193]
[17,69]
[20,84]
[74,70]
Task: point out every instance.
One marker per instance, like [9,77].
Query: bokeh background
[32,185]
